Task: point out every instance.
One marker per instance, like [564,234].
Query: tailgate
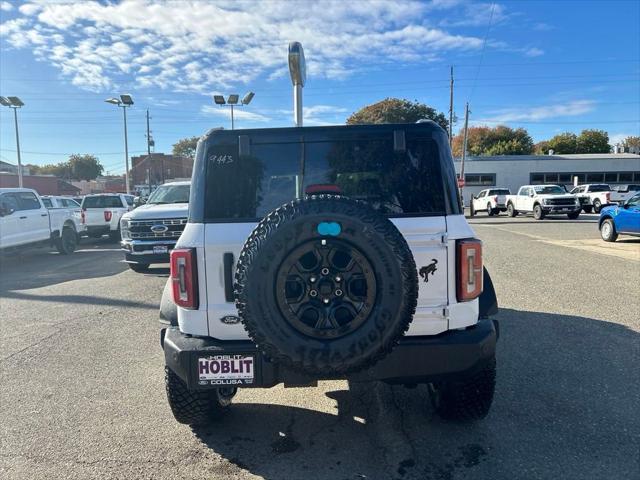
[95,217]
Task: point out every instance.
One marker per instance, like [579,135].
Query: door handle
[227,262]
[23,218]
[43,215]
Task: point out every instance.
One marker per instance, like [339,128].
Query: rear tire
[468,399]
[538,213]
[139,267]
[199,407]
[114,236]
[597,205]
[511,211]
[490,211]
[66,243]
[573,215]
[608,231]
[472,211]
[587,209]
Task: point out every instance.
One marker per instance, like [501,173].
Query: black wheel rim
[325,288]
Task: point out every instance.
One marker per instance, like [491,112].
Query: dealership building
[512,171]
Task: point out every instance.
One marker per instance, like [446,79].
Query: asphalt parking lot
[82,391]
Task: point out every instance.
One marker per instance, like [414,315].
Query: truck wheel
[465,400]
[326,285]
[139,267]
[587,208]
[197,407]
[573,215]
[608,231]
[490,211]
[538,213]
[597,205]
[472,211]
[114,235]
[511,211]
[66,243]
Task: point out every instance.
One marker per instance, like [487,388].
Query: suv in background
[492,200]
[151,231]
[102,212]
[621,219]
[327,253]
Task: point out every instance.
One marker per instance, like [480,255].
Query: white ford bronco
[327,253]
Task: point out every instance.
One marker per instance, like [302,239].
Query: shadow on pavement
[79,299]
[564,408]
[36,268]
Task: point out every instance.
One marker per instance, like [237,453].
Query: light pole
[298,72]
[15,103]
[124,101]
[232,101]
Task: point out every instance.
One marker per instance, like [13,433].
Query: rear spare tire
[326,285]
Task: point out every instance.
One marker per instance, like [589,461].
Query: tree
[631,144]
[500,140]
[564,143]
[395,110]
[186,147]
[593,141]
[84,167]
[542,147]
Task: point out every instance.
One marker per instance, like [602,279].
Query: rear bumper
[423,359]
[138,251]
[97,229]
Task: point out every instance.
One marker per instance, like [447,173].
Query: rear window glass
[47,202]
[395,183]
[599,188]
[102,202]
[502,191]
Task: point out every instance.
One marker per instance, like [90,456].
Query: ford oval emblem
[159,228]
[230,320]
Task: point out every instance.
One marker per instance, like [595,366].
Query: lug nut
[338,293]
[313,293]
[325,271]
[326,300]
[313,279]
[338,278]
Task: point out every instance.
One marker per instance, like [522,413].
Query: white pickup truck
[102,213]
[26,221]
[593,196]
[622,193]
[542,200]
[491,200]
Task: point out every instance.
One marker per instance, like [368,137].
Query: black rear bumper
[414,360]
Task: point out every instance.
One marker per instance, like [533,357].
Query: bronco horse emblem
[429,269]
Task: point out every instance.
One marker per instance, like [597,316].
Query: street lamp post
[124,101]
[15,103]
[232,101]
[298,73]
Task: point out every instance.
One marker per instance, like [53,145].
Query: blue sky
[548,66]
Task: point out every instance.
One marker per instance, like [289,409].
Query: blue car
[621,219]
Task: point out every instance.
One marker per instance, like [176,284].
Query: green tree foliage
[542,147]
[186,147]
[395,110]
[593,141]
[78,167]
[631,142]
[564,143]
[500,140]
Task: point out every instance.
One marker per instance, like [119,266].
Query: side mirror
[531,195]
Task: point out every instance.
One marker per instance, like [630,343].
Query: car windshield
[102,201]
[549,190]
[599,188]
[170,194]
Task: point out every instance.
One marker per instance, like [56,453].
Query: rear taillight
[607,196]
[495,199]
[107,215]
[184,278]
[83,217]
[469,263]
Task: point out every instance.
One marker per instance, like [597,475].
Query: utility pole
[464,143]
[451,109]
[126,150]
[148,154]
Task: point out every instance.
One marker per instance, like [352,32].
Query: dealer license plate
[226,370]
[160,249]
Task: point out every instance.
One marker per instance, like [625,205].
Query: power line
[484,45]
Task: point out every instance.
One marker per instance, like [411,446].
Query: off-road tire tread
[191,407]
[323,204]
[470,399]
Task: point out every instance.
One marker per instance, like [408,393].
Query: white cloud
[203,46]
[477,15]
[534,52]
[6,6]
[238,113]
[569,109]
